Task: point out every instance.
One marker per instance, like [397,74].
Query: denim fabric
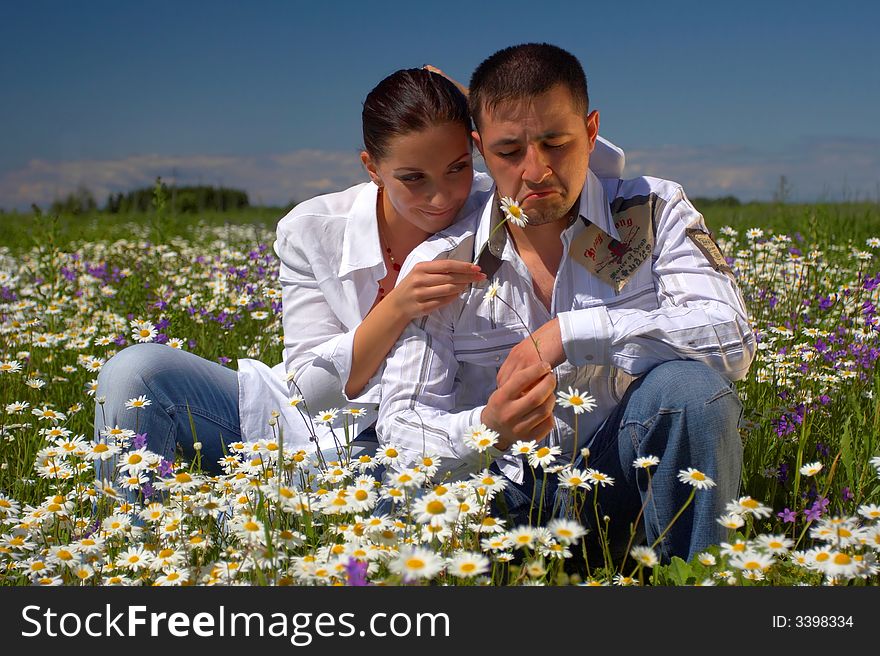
[180,386]
[687,415]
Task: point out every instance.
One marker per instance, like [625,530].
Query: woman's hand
[431,285]
[460,86]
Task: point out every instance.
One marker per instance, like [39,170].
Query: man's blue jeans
[687,415]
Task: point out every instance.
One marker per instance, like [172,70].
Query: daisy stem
[574,446]
[674,519]
[632,532]
[543,487]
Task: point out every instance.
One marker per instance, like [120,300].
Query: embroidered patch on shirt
[611,260]
[703,240]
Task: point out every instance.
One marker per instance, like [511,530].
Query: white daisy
[513,212]
[576,401]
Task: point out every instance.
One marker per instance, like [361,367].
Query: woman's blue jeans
[192,400]
[687,415]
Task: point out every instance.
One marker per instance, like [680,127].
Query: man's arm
[701,315]
[421,414]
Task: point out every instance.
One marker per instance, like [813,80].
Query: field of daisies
[809,511]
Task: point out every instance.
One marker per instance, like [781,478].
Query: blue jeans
[687,415]
[180,386]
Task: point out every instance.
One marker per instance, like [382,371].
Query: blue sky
[266,96]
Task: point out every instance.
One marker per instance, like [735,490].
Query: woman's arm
[428,286]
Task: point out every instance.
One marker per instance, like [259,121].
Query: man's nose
[535,168]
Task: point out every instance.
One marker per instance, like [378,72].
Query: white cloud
[820,169]
[268,179]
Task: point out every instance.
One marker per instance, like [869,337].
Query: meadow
[75,290]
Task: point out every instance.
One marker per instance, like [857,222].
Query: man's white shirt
[675,305]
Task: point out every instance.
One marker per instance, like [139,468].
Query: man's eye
[510,153]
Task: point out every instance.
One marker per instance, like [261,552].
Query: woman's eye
[410,178]
[458,167]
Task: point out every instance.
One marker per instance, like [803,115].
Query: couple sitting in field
[438,302]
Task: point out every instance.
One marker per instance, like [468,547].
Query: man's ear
[479,142]
[592,123]
[370,165]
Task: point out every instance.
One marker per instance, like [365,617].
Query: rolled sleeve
[586,336]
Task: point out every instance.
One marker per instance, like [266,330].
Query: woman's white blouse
[330,266]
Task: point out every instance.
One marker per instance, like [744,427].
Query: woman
[343,307]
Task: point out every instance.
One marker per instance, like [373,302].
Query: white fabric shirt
[676,305]
[331,265]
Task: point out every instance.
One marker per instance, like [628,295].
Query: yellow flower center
[361,495]
[698,476]
[436,507]
[543,451]
[251,526]
[183,477]
[842,559]
[134,459]
[391,453]
[415,563]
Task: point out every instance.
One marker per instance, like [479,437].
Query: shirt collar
[360,243]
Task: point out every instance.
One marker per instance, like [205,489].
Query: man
[613,287]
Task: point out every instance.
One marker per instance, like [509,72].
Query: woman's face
[426,176]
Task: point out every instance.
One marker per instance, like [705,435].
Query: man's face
[538,151]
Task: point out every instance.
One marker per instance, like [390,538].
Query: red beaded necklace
[383,242]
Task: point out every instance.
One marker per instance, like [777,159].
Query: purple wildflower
[165,467]
[356,572]
[139,441]
[787,515]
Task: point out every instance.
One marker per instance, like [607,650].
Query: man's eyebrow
[544,136]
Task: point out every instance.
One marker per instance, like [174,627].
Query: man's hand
[522,408]
[549,349]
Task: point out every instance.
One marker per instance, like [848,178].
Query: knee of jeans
[688,384]
[132,367]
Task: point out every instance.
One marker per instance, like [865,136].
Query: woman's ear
[370,165]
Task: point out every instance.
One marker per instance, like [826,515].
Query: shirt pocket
[638,293]
[486,347]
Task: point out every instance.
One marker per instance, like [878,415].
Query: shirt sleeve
[317,345]
[701,314]
[418,412]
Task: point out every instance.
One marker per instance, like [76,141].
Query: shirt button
[589,357]
[497,358]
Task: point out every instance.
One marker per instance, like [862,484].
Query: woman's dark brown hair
[407,101]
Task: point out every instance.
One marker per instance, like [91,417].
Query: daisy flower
[811,469]
[566,531]
[597,477]
[139,402]
[645,462]
[544,456]
[513,212]
[572,478]
[748,505]
[705,558]
[644,556]
[467,565]
[576,401]
[731,520]
[696,478]
[522,537]
[326,416]
[415,563]
[143,331]
[751,560]
[870,511]
[480,437]
[775,544]
[522,448]
[388,455]
[492,290]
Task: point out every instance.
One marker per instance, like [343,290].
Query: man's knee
[690,385]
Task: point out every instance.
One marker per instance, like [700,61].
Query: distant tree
[782,193]
[81,201]
[187,200]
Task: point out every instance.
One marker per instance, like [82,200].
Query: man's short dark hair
[524,71]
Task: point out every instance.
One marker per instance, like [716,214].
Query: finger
[448,266]
[524,378]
